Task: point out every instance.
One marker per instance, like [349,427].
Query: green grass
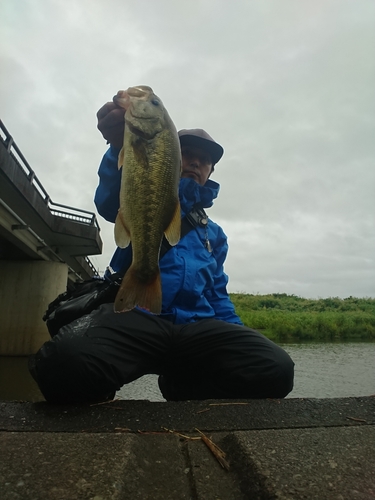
[287,318]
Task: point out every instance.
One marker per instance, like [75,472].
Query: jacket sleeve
[219,298]
[107,193]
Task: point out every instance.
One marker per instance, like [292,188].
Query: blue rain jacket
[193,279]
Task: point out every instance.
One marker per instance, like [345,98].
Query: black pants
[94,356]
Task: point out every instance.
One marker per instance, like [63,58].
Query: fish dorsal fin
[122,234]
[173,231]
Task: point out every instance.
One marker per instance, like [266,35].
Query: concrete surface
[276,449]
[38,282]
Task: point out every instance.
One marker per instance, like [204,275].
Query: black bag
[86,296]
[82,299]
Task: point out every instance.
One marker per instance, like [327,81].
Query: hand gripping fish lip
[122,102]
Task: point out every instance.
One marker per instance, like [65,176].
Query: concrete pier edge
[276,449]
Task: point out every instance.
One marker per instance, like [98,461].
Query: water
[332,370]
[323,370]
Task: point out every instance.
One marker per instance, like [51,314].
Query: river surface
[322,370]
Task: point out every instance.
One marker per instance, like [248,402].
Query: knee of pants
[285,376]
[270,377]
[65,372]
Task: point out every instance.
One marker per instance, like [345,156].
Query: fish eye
[155,102]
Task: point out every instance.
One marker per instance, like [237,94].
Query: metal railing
[75,214]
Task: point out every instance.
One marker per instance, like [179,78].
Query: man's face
[196,164]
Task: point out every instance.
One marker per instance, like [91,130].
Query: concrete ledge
[277,449]
[316,464]
[210,415]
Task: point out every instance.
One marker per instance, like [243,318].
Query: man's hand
[111,123]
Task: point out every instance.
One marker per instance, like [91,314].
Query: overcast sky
[287,87]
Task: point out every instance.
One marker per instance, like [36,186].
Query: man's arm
[220,301]
[111,125]
[218,295]
[107,195]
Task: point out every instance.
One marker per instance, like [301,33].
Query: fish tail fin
[134,292]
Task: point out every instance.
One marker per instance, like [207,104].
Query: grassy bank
[287,318]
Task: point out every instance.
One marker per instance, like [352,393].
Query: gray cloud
[286,88]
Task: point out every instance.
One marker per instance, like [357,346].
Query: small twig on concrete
[106,402]
[190,438]
[357,419]
[202,411]
[152,432]
[215,450]
[227,404]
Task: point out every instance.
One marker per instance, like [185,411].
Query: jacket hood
[191,193]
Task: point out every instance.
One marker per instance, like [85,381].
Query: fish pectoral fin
[120,158]
[173,231]
[122,234]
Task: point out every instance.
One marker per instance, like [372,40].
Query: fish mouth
[122,102]
[141,91]
[122,98]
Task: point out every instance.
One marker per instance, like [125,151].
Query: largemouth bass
[149,203]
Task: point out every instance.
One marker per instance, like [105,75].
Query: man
[198,345]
